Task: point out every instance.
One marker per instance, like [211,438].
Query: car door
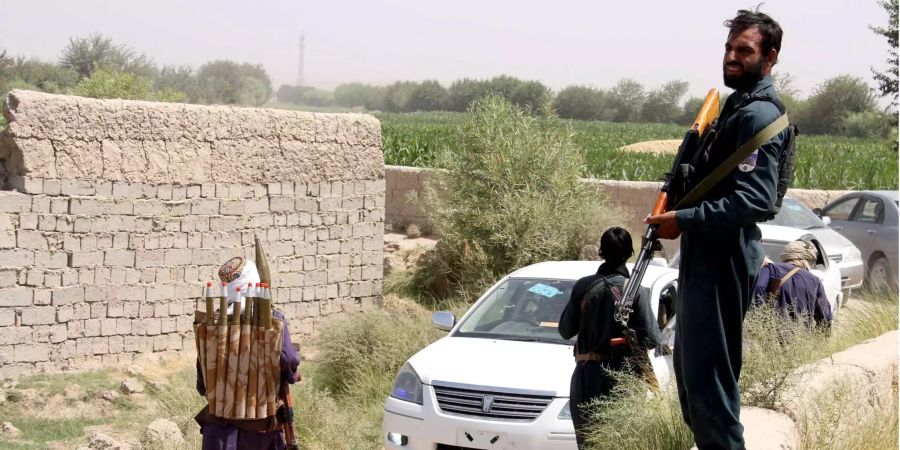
[841,215]
[866,224]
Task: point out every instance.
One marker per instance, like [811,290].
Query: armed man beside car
[721,253]
[792,288]
[601,347]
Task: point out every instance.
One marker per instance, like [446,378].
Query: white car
[843,253]
[500,378]
[775,237]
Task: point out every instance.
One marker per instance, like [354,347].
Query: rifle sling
[729,164]
[775,285]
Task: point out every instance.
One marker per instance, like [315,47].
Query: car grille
[490,403]
[836,258]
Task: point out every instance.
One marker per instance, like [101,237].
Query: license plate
[488,440]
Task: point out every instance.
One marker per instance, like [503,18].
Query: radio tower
[300,80]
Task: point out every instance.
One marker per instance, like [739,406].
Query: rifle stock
[708,113]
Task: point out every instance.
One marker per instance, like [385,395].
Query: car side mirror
[443,320]
[826,220]
[817,211]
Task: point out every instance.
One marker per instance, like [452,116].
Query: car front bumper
[852,274]
[425,427]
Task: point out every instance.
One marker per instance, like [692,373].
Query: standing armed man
[720,243]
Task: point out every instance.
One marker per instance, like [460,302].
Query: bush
[511,197]
[869,124]
[581,102]
[636,421]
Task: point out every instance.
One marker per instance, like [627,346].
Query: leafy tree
[429,95]
[84,55]
[784,84]
[580,102]
[627,98]
[689,110]
[177,79]
[398,96]
[44,76]
[832,101]
[228,82]
[463,92]
[108,83]
[532,96]
[354,94]
[304,95]
[887,80]
[662,104]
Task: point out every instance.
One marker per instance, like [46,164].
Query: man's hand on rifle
[668,228]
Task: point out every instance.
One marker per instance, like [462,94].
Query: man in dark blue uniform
[720,243]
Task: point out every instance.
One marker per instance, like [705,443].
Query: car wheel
[879,274]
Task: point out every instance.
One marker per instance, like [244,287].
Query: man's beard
[747,79]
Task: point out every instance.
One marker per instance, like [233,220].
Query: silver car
[840,250]
[869,220]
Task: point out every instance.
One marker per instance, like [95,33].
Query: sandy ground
[669,146]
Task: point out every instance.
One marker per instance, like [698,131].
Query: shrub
[511,197]
[635,421]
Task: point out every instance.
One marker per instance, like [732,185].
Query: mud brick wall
[115,213]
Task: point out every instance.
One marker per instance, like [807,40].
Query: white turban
[238,273]
[800,253]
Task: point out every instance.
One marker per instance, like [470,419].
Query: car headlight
[566,413]
[407,385]
[851,253]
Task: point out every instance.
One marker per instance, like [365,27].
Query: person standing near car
[793,288]
[589,314]
[720,242]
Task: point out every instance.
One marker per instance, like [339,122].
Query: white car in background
[500,378]
[843,253]
[775,237]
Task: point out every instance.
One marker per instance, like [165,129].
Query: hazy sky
[558,43]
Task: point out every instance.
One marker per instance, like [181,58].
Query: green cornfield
[822,162]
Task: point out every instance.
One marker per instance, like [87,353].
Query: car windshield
[520,309]
[794,214]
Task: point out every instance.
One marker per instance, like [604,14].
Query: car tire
[878,275]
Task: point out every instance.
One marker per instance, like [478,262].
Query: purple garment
[801,295]
[228,437]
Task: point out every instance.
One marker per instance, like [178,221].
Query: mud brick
[39,315]
[52,187]
[119,257]
[16,258]
[178,257]
[34,240]
[86,258]
[149,258]
[68,295]
[14,202]
[16,296]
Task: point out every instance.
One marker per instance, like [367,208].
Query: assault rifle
[675,186]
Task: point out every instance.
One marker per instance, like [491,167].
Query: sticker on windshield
[795,207]
[544,290]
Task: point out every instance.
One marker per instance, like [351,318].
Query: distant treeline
[843,105]
[95,66]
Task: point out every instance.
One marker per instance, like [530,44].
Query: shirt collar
[609,269]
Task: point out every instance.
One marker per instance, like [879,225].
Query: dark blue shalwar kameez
[720,258]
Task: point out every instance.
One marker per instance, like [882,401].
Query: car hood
[833,242]
[497,363]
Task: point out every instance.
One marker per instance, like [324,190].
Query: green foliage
[513,198]
[689,111]
[304,95]
[107,83]
[354,94]
[832,101]
[42,76]
[176,79]
[228,82]
[869,125]
[662,105]
[581,102]
[626,100]
[428,95]
[84,55]
[415,140]
[636,421]
[887,80]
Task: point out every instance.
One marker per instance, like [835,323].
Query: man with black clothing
[590,315]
